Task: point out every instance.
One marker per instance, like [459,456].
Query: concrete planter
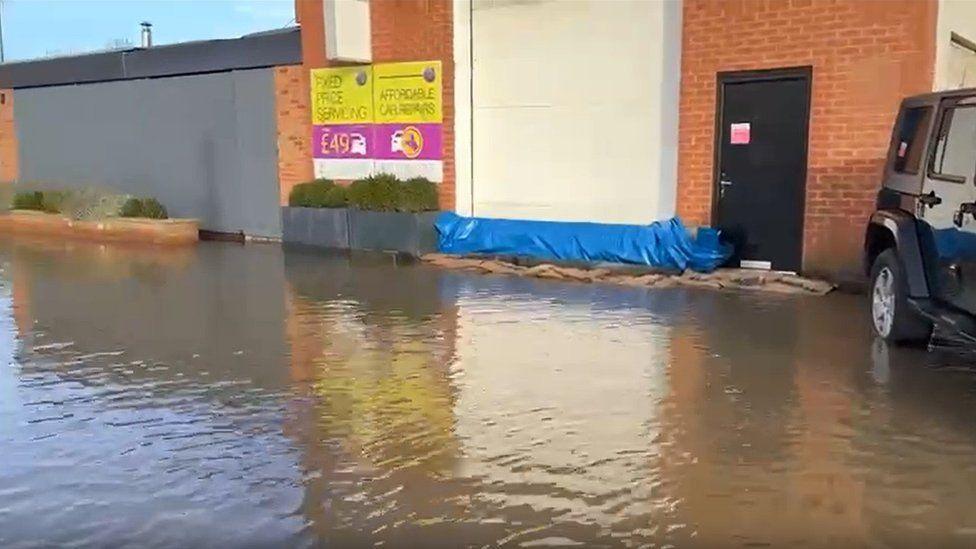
[318,227]
[411,233]
[116,229]
[351,229]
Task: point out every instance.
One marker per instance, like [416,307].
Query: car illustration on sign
[357,144]
[408,141]
[396,141]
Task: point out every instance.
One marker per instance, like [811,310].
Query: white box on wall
[347,30]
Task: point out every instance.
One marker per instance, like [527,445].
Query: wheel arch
[896,229]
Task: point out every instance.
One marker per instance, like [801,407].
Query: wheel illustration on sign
[408,141]
[357,144]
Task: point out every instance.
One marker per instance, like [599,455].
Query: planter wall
[346,229]
[148,231]
[319,227]
[411,233]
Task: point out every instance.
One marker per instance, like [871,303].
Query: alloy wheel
[883,302]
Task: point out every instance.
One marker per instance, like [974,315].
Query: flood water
[244,396]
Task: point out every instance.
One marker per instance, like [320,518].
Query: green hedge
[88,204]
[386,193]
[148,208]
[320,193]
[55,201]
[29,200]
[41,201]
[378,193]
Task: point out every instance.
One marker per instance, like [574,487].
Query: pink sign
[343,141]
[408,142]
[740,133]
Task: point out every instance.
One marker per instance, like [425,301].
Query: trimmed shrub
[54,201]
[148,208]
[311,194]
[29,200]
[418,194]
[378,193]
[154,209]
[131,208]
[336,197]
[386,193]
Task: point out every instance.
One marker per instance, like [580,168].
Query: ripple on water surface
[245,396]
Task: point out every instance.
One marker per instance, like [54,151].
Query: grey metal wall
[205,145]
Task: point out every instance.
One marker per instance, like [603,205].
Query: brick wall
[402,30]
[292,111]
[866,55]
[8,138]
[421,30]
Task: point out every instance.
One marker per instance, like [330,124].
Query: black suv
[920,246]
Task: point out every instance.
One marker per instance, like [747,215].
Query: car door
[950,213]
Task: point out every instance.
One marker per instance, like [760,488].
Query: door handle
[722,185]
[966,208]
[930,200]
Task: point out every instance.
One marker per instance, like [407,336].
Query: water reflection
[243,395]
[139,418]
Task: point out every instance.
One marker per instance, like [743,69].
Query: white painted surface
[462,107]
[574,109]
[354,168]
[955,66]
[342,168]
[347,30]
[405,169]
[756,264]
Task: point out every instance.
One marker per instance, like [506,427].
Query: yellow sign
[408,92]
[342,95]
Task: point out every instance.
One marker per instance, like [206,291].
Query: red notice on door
[739,133]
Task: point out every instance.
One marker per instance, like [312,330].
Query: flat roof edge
[253,51]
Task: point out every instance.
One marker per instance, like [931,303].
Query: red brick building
[400,30]
[768,118]
[863,58]
[853,60]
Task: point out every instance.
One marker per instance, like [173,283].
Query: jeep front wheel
[891,315]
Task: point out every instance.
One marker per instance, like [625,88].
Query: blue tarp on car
[662,244]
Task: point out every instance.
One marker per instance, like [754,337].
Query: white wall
[347,30]
[955,66]
[567,109]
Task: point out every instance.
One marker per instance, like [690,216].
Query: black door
[762,165]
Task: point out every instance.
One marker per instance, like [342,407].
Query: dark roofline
[258,50]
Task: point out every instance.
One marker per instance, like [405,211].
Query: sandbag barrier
[721,279]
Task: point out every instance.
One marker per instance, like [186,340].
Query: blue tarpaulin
[662,244]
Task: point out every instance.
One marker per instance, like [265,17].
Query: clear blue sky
[34,28]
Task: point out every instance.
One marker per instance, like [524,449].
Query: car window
[955,150]
[911,139]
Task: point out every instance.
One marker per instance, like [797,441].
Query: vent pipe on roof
[146,34]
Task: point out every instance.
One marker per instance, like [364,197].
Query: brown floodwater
[244,396]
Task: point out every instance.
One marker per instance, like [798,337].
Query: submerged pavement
[245,396]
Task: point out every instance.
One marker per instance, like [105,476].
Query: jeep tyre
[891,316]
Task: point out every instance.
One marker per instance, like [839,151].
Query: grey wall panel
[256,135]
[204,145]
